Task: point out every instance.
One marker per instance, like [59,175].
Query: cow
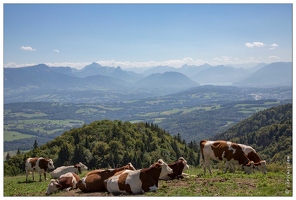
[227,151]
[94,180]
[77,168]
[66,182]
[138,181]
[178,167]
[253,156]
[40,165]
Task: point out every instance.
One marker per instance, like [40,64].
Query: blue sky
[142,35]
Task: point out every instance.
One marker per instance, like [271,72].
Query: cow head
[261,166]
[165,169]
[130,166]
[53,186]
[78,167]
[184,162]
[248,168]
[82,166]
[50,164]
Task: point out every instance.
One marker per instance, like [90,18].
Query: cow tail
[201,159]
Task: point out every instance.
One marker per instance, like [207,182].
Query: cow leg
[40,174]
[33,175]
[207,165]
[68,189]
[232,167]
[226,166]
[27,173]
[44,176]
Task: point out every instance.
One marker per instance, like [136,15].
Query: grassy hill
[108,143]
[269,132]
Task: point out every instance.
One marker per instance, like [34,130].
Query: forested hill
[105,144]
[269,132]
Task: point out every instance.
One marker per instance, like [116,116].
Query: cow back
[94,180]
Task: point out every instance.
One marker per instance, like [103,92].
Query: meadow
[277,182]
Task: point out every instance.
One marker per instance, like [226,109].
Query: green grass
[36,125]
[197,184]
[13,135]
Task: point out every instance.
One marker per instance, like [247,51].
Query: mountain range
[158,80]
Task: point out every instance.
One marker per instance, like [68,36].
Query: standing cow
[253,156]
[178,167]
[227,151]
[77,168]
[40,165]
[138,181]
[94,180]
[66,182]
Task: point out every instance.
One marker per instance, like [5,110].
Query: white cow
[77,168]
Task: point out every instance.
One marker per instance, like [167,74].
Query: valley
[189,113]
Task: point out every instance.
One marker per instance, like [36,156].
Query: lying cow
[227,151]
[66,182]
[138,181]
[94,180]
[253,156]
[40,165]
[178,167]
[64,169]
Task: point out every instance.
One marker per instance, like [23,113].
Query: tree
[63,155]
[86,145]
[78,154]
[35,145]
[8,156]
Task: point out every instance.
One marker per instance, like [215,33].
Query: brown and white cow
[178,167]
[39,165]
[138,181]
[253,156]
[66,182]
[77,168]
[94,180]
[227,151]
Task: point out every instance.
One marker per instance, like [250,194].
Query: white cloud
[28,48]
[274,58]
[224,60]
[16,65]
[254,44]
[173,63]
[273,46]
[56,51]
[77,65]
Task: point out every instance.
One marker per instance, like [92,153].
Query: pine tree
[18,152]
[35,145]
[8,156]
[63,155]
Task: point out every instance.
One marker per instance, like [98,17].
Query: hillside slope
[106,143]
[269,132]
